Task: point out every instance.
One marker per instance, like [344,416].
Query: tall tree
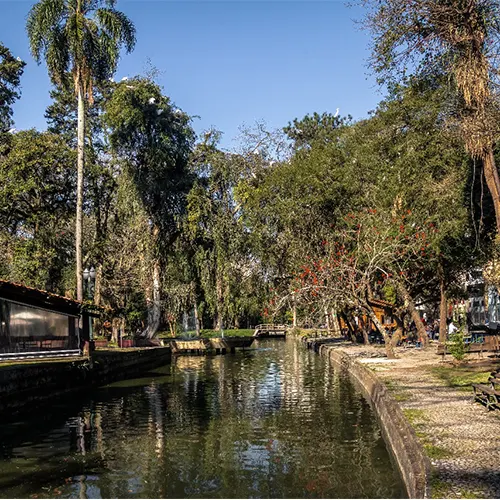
[456,41]
[11,69]
[214,223]
[153,141]
[83,37]
[37,210]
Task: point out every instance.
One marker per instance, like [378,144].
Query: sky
[229,63]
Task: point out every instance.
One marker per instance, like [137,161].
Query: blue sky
[230,62]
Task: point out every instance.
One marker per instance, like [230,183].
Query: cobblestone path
[461,437]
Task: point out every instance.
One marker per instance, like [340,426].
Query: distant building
[483,302]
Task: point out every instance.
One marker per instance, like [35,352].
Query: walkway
[461,437]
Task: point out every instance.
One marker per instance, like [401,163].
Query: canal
[271,421]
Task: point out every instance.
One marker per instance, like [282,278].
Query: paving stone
[452,421]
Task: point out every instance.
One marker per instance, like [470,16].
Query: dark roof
[381,303]
[38,298]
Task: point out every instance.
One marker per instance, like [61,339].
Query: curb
[413,464]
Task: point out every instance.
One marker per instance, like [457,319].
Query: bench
[442,349]
[489,395]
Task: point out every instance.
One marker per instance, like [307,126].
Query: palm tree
[81,39]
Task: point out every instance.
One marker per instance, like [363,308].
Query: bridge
[269,330]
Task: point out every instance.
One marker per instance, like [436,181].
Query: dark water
[273,421]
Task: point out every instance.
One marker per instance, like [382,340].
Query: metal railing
[270,327]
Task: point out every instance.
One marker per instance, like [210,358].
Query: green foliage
[154,140]
[36,217]
[389,293]
[462,377]
[315,129]
[320,220]
[228,277]
[436,452]
[456,345]
[62,116]
[414,415]
[11,70]
[126,253]
[227,333]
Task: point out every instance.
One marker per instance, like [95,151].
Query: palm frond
[80,34]
[57,56]
[42,19]
[118,26]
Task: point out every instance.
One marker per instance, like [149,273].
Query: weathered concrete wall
[400,437]
[110,365]
[27,384]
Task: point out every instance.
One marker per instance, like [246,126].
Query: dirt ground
[461,437]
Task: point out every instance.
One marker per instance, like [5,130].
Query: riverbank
[459,437]
[25,384]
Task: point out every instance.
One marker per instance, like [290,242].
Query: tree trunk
[389,349]
[220,301]
[443,311]
[415,316]
[398,334]
[352,330]
[79,194]
[294,312]
[196,319]
[335,323]
[98,285]
[327,318]
[493,182]
[154,305]
[97,298]
[364,330]
[115,329]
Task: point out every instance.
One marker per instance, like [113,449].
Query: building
[36,323]
[382,309]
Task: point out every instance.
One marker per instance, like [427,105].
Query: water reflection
[270,422]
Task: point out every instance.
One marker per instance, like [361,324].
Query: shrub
[456,345]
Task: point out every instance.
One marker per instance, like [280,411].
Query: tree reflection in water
[275,422]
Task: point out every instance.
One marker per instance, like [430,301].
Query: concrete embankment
[24,385]
[413,464]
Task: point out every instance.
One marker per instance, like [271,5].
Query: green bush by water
[227,333]
[207,334]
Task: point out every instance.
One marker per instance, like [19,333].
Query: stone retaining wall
[24,385]
[413,464]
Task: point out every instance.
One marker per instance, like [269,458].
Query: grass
[398,393]
[414,415]
[401,397]
[227,333]
[441,489]
[417,419]
[435,452]
[462,377]
[468,494]
[210,333]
